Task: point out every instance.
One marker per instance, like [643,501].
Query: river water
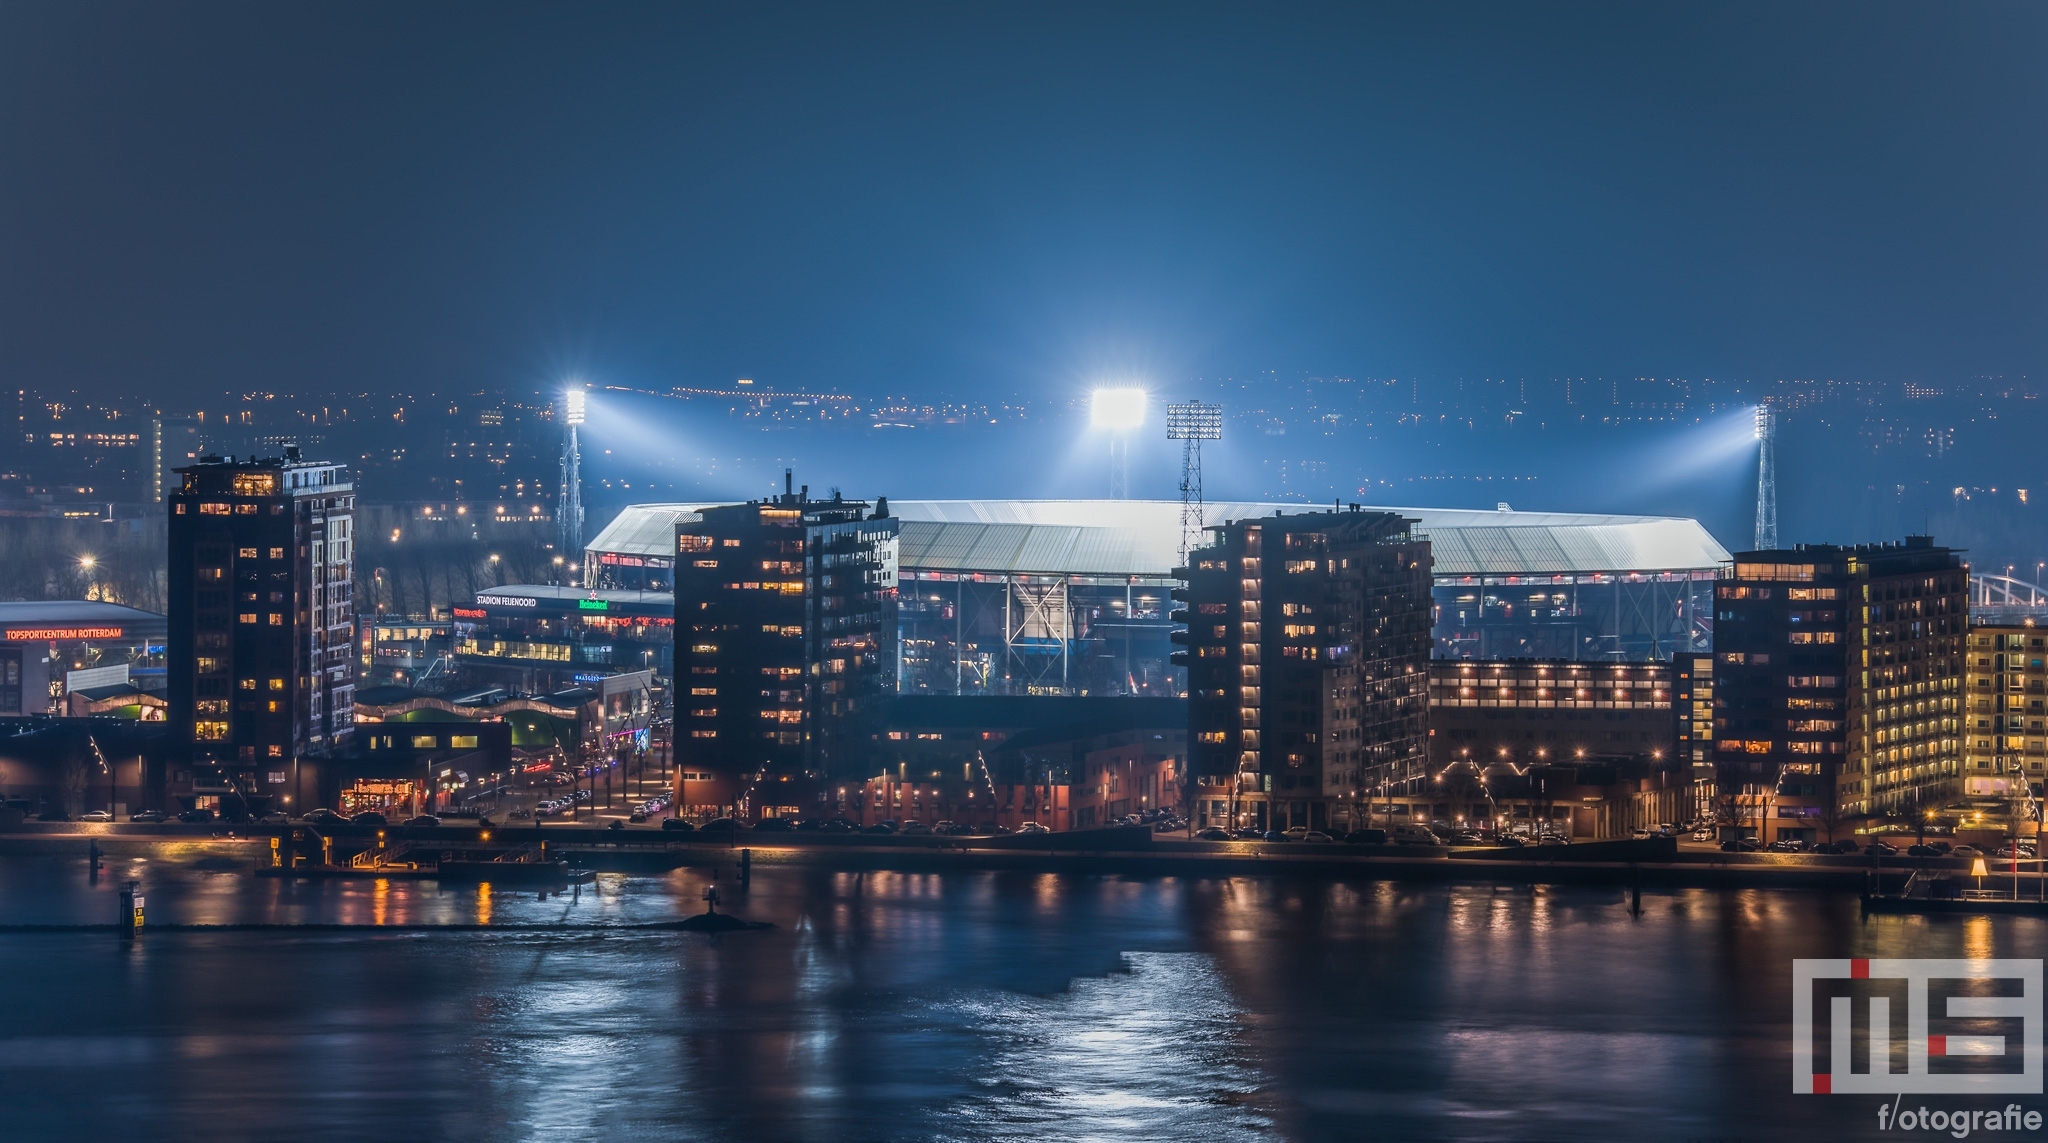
[892,1006]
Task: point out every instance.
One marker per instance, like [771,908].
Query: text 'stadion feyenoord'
[1923,1042]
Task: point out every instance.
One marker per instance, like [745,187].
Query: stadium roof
[1142,537]
[646,529]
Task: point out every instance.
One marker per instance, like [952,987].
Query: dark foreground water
[968,1006]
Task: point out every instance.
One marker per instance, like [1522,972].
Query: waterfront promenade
[1137,852]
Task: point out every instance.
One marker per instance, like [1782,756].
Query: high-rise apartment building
[785,644]
[2005,743]
[1838,684]
[1308,665]
[260,656]
[1692,709]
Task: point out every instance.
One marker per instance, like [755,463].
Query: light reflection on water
[921,1006]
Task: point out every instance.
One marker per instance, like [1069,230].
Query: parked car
[521,815]
[880,827]
[1703,835]
[1316,836]
[719,825]
[835,825]
[423,820]
[1788,845]
[1272,835]
[1040,827]
[2021,850]
[1209,834]
[1413,835]
[1366,837]
[915,829]
[677,825]
[95,816]
[1741,845]
[1508,841]
[1966,851]
[275,817]
[774,825]
[370,818]
[321,815]
[615,823]
[1922,851]
[150,816]
[1879,849]
[198,816]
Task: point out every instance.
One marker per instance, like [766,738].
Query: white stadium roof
[1142,537]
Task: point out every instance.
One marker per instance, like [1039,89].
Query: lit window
[275,684]
[276,619]
[246,553]
[277,553]
[247,617]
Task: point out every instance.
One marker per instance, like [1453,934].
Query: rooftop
[75,613]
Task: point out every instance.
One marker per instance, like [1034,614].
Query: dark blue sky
[966,200]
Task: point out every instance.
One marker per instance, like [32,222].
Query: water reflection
[925,1006]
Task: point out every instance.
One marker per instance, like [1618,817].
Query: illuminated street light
[87,562]
[573,400]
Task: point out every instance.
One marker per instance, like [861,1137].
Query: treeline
[87,558]
[406,566]
[414,566]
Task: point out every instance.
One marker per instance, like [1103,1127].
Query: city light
[573,403]
[1117,409]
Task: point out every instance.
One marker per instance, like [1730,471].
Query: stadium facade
[1072,597]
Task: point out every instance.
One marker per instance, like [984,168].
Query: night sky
[965,200]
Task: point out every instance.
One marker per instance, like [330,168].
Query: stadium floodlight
[573,401]
[1194,421]
[1191,423]
[1117,409]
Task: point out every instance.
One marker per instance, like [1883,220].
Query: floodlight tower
[1119,411]
[569,517]
[1767,480]
[1191,423]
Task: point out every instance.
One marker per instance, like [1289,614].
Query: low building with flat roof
[43,641]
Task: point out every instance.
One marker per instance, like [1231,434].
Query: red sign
[468,612]
[46,634]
